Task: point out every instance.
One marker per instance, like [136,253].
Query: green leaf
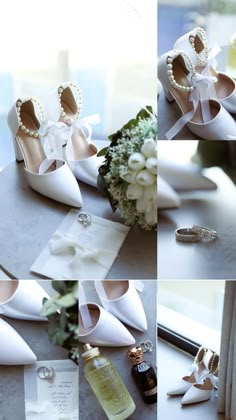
[75,290]
[103,151]
[66,301]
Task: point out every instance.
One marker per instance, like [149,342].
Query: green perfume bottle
[231,59]
[107,384]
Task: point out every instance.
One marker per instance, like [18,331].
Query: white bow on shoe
[65,135]
[13,349]
[122,300]
[196,45]
[22,299]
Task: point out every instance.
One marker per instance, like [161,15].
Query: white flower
[150,193]
[141,205]
[134,191]
[136,161]
[149,148]
[151,216]
[151,165]
[129,176]
[145,178]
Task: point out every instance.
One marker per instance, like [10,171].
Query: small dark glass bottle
[144,375]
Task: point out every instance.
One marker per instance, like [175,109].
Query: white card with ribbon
[56,397]
[81,251]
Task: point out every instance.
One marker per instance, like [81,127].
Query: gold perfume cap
[135,355]
[90,351]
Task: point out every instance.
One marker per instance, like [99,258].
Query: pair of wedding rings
[45,372]
[195,234]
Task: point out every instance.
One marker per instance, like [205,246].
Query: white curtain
[227,371]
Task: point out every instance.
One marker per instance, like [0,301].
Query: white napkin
[76,251]
[55,398]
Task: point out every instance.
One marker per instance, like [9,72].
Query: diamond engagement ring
[205,232]
[84,218]
[194,234]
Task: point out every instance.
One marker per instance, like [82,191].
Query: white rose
[129,176]
[150,193]
[151,165]
[136,161]
[149,148]
[134,192]
[145,178]
[141,205]
[151,216]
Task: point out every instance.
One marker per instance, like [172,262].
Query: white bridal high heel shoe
[51,178]
[167,197]
[204,389]
[206,118]
[22,299]
[196,45]
[122,300]
[197,370]
[63,109]
[13,349]
[105,329]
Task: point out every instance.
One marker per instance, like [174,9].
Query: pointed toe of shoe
[179,388]
[167,197]
[59,185]
[195,395]
[26,302]
[14,350]
[106,331]
[127,307]
[86,170]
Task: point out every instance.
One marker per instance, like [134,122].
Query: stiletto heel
[169,97]
[18,153]
[51,178]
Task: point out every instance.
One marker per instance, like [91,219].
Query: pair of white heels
[22,300]
[205,97]
[200,384]
[121,302]
[51,169]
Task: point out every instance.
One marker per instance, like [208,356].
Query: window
[192,310]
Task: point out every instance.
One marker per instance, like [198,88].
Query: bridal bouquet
[62,313]
[128,176]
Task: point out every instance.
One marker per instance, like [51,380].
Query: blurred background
[107,48]
[175,17]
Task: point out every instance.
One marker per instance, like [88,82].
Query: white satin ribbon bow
[66,244]
[57,135]
[202,86]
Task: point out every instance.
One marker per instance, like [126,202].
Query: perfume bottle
[144,375]
[231,58]
[107,385]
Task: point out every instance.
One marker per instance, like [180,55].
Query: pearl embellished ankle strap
[19,103]
[72,87]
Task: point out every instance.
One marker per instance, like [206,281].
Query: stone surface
[28,220]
